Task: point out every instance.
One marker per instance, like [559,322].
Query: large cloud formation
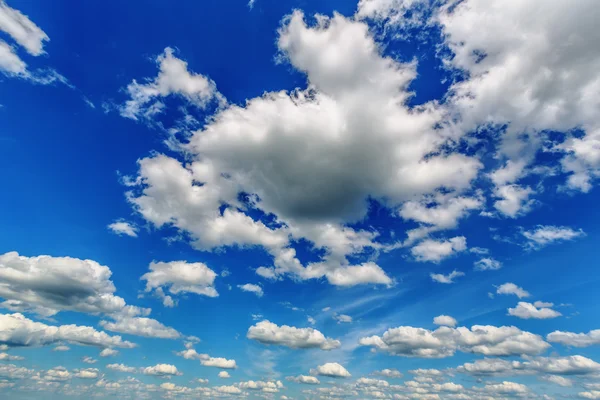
[48,285]
[17,330]
[296,338]
[487,340]
[310,158]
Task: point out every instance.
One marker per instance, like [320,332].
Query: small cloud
[447,279]
[511,288]
[487,264]
[121,227]
[342,318]
[249,287]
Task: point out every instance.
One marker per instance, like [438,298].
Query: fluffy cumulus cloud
[48,285]
[16,330]
[591,338]
[287,137]
[436,250]
[224,375]
[306,379]
[570,366]
[179,277]
[447,279]
[208,361]
[526,310]
[141,326]
[121,368]
[445,320]
[487,264]
[123,228]
[252,288]
[146,99]
[487,340]
[161,370]
[511,288]
[389,373]
[333,370]
[267,332]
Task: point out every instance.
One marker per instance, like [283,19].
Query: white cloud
[311,197]
[179,277]
[10,63]
[487,264]
[445,341]
[506,387]
[543,235]
[342,318]
[121,368]
[265,386]
[61,348]
[109,353]
[436,213]
[141,326]
[22,30]
[445,320]
[206,360]
[529,85]
[123,228]
[389,373]
[161,370]
[571,365]
[526,310]
[591,338]
[51,284]
[87,373]
[511,288]
[333,370]
[437,250]
[441,278]
[267,332]
[592,394]
[224,375]
[173,79]
[558,380]
[306,379]
[90,360]
[17,330]
[9,357]
[513,200]
[249,287]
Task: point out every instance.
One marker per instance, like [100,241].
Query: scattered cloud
[526,310]
[447,279]
[249,287]
[121,228]
[267,332]
[511,288]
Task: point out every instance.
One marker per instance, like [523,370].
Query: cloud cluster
[17,330]
[48,285]
[383,151]
[179,277]
[267,332]
[487,340]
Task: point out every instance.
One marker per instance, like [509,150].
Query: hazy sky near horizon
[299,199]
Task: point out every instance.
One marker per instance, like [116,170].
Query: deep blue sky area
[419,213]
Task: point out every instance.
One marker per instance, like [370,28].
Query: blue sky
[299,199]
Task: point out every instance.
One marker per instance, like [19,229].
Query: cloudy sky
[299,199]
